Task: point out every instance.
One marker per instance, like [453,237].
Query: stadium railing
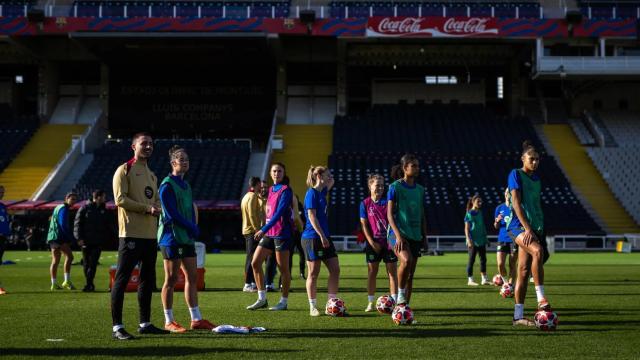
[333,9]
[268,154]
[456,243]
[89,140]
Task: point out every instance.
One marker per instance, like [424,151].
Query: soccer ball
[497,280]
[402,315]
[546,320]
[506,290]
[335,307]
[385,304]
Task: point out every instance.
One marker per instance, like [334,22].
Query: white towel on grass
[230,329]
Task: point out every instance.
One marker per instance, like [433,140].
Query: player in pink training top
[373,218]
[275,236]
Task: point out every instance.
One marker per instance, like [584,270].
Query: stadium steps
[39,156]
[304,145]
[583,200]
[81,165]
[587,180]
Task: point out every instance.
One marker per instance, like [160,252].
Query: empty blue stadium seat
[450,172]
[217,167]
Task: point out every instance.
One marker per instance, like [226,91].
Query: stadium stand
[344,9]
[37,159]
[14,135]
[227,9]
[585,178]
[584,136]
[609,9]
[11,8]
[374,141]
[314,141]
[620,166]
[216,172]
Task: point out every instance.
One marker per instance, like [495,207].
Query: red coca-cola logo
[406,25]
[470,26]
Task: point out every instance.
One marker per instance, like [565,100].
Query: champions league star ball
[335,307]
[402,315]
[546,320]
[385,304]
[506,291]
[497,280]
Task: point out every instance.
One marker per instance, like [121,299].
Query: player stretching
[177,232]
[316,243]
[406,215]
[373,218]
[476,234]
[502,216]
[526,229]
[275,236]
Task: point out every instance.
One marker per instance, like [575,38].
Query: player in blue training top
[526,229]
[505,244]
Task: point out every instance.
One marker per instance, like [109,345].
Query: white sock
[117,327]
[332,296]
[470,278]
[247,285]
[540,292]
[195,313]
[484,277]
[284,300]
[144,325]
[67,277]
[518,311]
[262,295]
[312,303]
[394,297]
[53,282]
[168,316]
[253,284]
[401,293]
[371,298]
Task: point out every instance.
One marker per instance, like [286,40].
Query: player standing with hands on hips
[135,190]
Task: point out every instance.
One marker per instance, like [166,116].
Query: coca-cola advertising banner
[462,27]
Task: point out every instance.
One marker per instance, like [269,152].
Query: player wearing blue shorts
[275,237]
[318,246]
[505,244]
[177,232]
[526,229]
[373,218]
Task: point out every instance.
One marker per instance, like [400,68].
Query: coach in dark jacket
[93,227]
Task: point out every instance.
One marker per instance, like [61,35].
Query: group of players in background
[395,229]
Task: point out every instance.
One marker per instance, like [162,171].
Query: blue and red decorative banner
[441,27]
[467,27]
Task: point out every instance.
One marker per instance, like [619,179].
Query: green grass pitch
[596,295]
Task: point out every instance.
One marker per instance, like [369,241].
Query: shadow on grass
[363,289]
[417,331]
[137,351]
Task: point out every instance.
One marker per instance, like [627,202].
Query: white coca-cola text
[407,25]
[470,26]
